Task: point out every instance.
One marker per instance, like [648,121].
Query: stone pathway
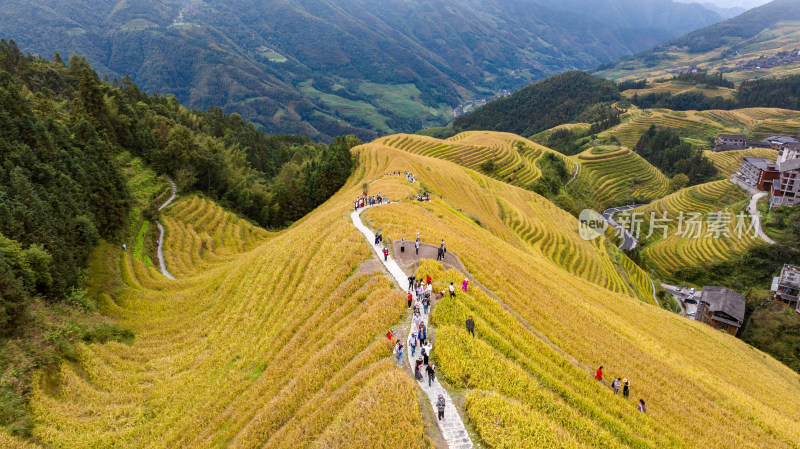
[161,262]
[452,426]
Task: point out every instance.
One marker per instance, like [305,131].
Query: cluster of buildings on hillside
[464,108]
[779,178]
[766,62]
[724,309]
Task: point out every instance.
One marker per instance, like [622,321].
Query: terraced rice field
[514,156]
[677,88]
[694,248]
[611,176]
[514,378]
[201,234]
[702,125]
[260,342]
[663,355]
[281,342]
[728,161]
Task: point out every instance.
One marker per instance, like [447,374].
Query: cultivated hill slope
[619,173]
[700,126]
[696,246]
[283,344]
[735,46]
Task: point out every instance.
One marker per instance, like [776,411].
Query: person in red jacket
[599,375]
[385,254]
[389,334]
[427,279]
[410,297]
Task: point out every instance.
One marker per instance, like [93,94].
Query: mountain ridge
[325,68]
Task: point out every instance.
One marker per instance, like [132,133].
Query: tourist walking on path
[426,302]
[626,388]
[423,332]
[440,254]
[411,280]
[416,247]
[642,406]
[398,350]
[402,244]
[385,254]
[428,279]
[425,356]
[410,297]
[431,369]
[471,325]
[412,343]
[615,385]
[452,291]
[464,285]
[440,406]
[599,375]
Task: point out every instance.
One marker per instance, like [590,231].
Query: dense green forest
[559,99]
[61,192]
[763,93]
[688,101]
[774,93]
[663,148]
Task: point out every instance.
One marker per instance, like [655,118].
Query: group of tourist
[424,197]
[411,177]
[618,383]
[366,201]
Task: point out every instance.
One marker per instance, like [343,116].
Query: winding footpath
[161,262]
[577,170]
[452,426]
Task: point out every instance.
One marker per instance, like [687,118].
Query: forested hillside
[326,68]
[62,190]
[557,100]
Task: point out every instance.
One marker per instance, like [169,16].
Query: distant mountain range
[329,67]
[763,41]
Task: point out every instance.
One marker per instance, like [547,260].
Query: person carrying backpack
[440,404]
[426,302]
[431,369]
[412,343]
[615,385]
